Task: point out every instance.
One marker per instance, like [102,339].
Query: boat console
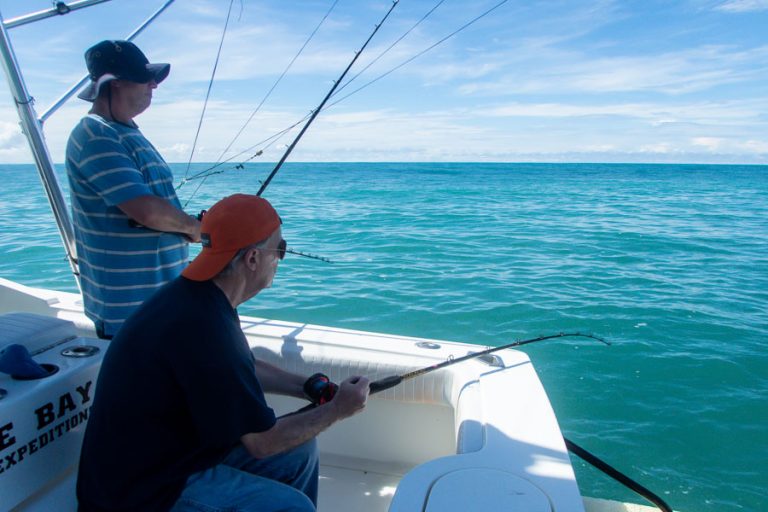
[43,417]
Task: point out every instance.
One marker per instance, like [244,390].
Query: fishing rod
[394,380]
[411,59]
[219,161]
[322,103]
[279,79]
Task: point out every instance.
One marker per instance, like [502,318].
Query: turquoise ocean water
[669,262]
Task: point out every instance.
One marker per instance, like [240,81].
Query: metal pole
[33,131]
[59,9]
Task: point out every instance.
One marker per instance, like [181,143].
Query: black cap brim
[159,71]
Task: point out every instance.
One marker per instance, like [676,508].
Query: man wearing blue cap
[132,235]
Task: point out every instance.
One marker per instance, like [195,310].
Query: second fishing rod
[322,103]
[394,380]
[391,381]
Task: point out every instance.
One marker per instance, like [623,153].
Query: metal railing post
[33,131]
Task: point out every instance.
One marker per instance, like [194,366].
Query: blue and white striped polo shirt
[120,265]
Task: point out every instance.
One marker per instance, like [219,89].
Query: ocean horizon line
[453,162]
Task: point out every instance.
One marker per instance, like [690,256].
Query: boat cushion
[485,490]
[35,332]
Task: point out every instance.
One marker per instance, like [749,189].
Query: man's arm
[158,214]
[278,381]
[291,431]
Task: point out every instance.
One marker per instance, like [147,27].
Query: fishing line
[204,173]
[208,93]
[376,59]
[279,79]
[319,108]
[616,474]
[411,59]
[273,138]
[380,55]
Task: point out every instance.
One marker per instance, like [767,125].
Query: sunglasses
[282,248]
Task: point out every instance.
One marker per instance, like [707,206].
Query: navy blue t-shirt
[176,391]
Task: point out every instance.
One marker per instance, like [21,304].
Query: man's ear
[252,258]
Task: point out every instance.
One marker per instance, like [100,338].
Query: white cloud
[540,131]
[599,148]
[10,136]
[662,148]
[710,143]
[755,146]
[743,112]
[675,72]
[743,6]
[581,89]
[732,145]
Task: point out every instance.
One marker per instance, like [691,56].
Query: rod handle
[385,383]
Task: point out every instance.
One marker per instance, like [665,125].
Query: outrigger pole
[33,130]
[325,100]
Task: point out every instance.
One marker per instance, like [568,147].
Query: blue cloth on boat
[120,265]
[15,360]
[176,391]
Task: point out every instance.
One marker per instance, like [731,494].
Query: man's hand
[293,429]
[351,397]
[193,235]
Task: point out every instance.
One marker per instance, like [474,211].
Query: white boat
[451,440]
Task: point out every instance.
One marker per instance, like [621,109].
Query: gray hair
[230,268]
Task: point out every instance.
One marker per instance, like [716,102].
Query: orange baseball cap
[234,222]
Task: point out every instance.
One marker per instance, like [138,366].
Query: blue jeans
[286,482]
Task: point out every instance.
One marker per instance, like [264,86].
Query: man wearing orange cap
[179,420]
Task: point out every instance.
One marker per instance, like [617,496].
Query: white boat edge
[450,438]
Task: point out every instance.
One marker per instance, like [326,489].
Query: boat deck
[345,485]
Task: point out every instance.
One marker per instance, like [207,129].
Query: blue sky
[571,81]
